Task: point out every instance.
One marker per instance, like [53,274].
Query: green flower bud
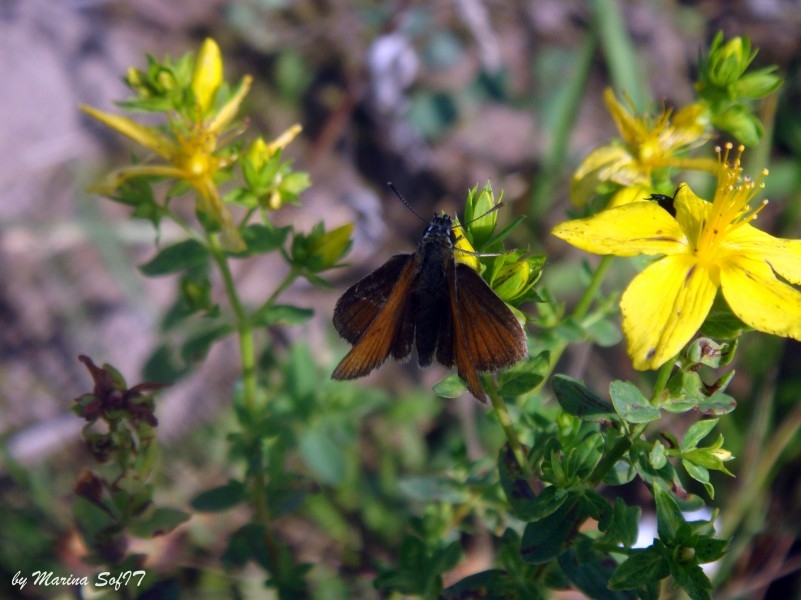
[741,123]
[758,84]
[515,278]
[727,62]
[512,280]
[480,214]
[320,250]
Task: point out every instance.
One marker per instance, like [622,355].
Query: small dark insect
[429,301]
[666,202]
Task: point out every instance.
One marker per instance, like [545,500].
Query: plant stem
[247,350]
[589,294]
[661,380]
[579,312]
[499,404]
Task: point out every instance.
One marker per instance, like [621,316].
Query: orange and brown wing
[487,335]
[373,346]
[360,304]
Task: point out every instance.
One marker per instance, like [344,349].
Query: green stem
[244,327]
[287,281]
[661,379]
[247,349]
[589,294]
[505,420]
[580,311]
[618,450]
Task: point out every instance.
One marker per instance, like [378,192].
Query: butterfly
[430,301]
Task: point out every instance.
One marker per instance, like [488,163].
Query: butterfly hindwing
[491,337]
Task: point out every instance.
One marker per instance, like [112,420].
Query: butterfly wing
[360,304]
[378,323]
[487,335]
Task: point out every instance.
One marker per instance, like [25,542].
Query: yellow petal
[283,140]
[688,127]
[210,202]
[629,230]
[229,110]
[783,256]
[626,195]
[607,163]
[465,253]
[147,136]
[111,181]
[663,308]
[692,212]
[759,299]
[208,73]
[631,129]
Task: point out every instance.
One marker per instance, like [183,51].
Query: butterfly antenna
[395,191]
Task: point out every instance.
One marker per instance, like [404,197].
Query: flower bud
[208,73]
[727,62]
[480,214]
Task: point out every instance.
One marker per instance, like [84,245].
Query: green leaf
[220,498]
[592,504]
[717,404]
[668,515]
[589,576]
[91,518]
[261,239]
[701,475]
[657,456]
[709,549]
[243,545]
[494,584]
[547,538]
[283,314]
[583,458]
[163,366]
[450,387]
[197,347]
[692,579]
[524,503]
[641,567]
[630,404]
[697,431]
[577,400]
[621,524]
[524,376]
[159,522]
[434,488]
[324,454]
[604,333]
[175,258]
[721,323]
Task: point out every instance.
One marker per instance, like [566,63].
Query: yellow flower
[190,149]
[648,144]
[707,246]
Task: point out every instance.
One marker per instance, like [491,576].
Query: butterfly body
[432,303]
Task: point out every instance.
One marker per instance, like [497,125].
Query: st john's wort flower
[706,247]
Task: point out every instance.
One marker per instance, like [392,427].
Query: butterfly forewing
[360,304]
[373,347]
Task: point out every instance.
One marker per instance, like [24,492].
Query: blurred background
[436,96]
